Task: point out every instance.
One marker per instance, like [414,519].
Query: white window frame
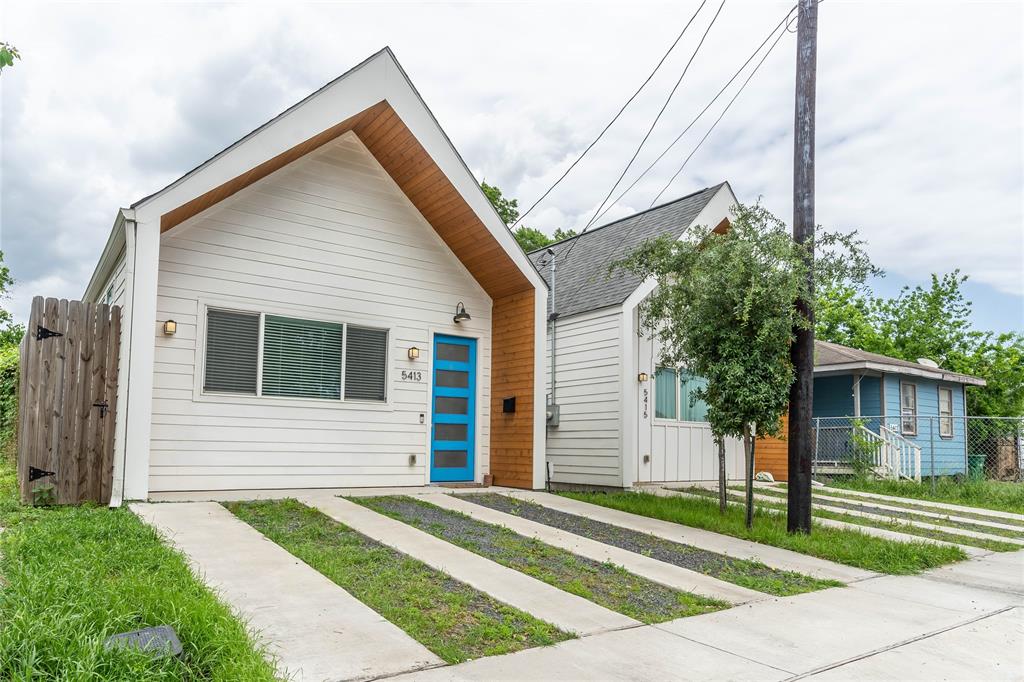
[948,418]
[200,394]
[912,431]
[678,419]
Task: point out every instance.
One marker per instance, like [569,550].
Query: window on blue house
[946,412]
[908,408]
[665,393]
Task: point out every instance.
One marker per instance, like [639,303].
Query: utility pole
[802,351]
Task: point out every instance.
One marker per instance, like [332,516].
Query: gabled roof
[832,357]
[582,280]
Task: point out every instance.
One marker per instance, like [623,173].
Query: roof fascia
[108,257]
[923,372]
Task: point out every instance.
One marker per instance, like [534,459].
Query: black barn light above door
[460,313]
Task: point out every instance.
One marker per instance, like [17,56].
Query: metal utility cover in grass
[160,641]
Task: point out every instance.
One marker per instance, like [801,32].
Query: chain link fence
[914,447]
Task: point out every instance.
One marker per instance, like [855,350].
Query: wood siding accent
[772,454]
[512,374]
[402,156]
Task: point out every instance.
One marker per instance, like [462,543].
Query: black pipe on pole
[802,350]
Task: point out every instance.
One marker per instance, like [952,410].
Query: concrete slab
[652,569]
[834,523]
[716,542]
[565,610]
[995,514]
[294,493]
[809,632]
[640,654]
[317,630]
[1003,572]
[921,589]
[986,649]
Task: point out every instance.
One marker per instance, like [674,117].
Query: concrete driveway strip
[565,610]
[652,569]
[833,523]
[724,544]
[317,630]
[640,654]
[953,508]
[1002,572]
[986,649]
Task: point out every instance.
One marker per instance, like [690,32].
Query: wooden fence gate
[67,401]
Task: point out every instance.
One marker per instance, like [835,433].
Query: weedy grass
[603,583]
[452,619]
[1005,496]
[72,576]
[845,546]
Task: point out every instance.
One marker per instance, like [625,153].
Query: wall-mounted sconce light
[460,313]
[414,353]
[170,326]
[642,377]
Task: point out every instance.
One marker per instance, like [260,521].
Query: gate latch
[103,408]
[44,333]
[35,474]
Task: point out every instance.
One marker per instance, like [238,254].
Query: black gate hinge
[44,333]
[35,474]
[103,408]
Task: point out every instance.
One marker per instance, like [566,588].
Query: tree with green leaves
[530,238]
[724,308]
[10,333]
[8,53]
[929,322]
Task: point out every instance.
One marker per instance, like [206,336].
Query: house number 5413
[411,376]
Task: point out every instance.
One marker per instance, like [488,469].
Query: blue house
[909,418]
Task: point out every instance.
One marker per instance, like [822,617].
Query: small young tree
[724,308]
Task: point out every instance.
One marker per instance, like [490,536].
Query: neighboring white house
[613,431]
[330,301]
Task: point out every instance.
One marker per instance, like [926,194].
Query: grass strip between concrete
[907,504]
[844,546]
[865,505]
[1007,496]
[72,576]
[455,621]
[605,584]
[890,524]
[750,574]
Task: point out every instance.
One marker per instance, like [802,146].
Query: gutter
[131,228]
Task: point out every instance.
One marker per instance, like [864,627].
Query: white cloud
[919,113]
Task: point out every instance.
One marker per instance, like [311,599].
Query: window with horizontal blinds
[366,356]
[232,349]
[301,358]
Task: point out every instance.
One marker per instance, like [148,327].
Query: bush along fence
[916,447]
[67,397]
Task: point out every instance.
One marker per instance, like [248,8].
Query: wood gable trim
[386,136]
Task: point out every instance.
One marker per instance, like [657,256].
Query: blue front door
[453,397]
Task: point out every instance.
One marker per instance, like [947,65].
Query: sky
[920,113]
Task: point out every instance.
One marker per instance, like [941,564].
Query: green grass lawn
[452,619]
[844,546]
[603,583]
[889,524]
[70,577]
[998,495]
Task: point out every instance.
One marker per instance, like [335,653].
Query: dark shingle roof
[583,282]
[829,354]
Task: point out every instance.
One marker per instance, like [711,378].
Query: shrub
[8,398]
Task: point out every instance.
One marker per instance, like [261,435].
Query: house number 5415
[411,376]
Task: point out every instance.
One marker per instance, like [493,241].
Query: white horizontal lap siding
[329,237]
[584,449]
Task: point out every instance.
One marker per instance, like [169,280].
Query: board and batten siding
[670,450]
[586,448]
[328,237]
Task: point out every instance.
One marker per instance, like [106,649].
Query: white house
[612,430]
[329,301]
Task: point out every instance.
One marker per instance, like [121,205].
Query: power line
[614,118]
[718,120]
[656,118]
[604,263]
[698,116]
